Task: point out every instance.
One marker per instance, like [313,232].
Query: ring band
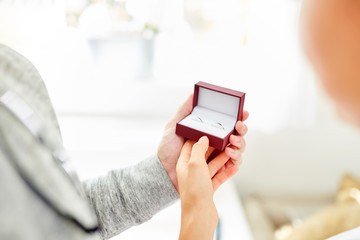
[198,119]
[214,124]
[221,125]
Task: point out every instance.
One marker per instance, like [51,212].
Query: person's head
[331,38]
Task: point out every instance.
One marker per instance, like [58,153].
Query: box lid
[219,99]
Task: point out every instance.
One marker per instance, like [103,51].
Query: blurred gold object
[339,217]
[349,190]
[355,193]
[284,232]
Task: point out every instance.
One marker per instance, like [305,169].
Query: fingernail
[203,138]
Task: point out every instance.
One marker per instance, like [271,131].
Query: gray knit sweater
[39,199]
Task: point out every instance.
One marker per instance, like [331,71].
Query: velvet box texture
[215,113]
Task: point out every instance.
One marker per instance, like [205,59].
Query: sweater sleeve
[130,196]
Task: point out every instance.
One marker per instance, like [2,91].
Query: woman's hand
[198,213]
[197,182]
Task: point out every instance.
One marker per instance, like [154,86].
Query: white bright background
[113,93]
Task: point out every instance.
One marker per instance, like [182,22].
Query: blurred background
[117,70]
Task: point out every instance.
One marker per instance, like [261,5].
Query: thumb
[199,149]
[184,110]
[184,157]
[185,153]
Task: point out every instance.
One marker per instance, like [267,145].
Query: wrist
[170,171]
[197,207]
[198,221]
[172,176]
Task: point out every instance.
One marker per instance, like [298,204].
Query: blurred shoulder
[20,76]
[15,67]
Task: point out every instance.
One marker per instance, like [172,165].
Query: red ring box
[215,113]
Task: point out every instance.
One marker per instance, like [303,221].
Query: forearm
[130,196]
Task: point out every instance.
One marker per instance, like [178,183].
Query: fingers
[217,163]
[245,115]
[234,154]
[199,149]
[237,143]
[186,151]
[209,152]
[223,175]
[241,128]
[236,149]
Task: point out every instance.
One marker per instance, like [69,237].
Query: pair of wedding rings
[213,124]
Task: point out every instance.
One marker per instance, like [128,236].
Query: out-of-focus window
[143,56]
[249,45]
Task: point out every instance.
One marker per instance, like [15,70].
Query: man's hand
[171,144]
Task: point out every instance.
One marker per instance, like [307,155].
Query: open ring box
[215,113]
